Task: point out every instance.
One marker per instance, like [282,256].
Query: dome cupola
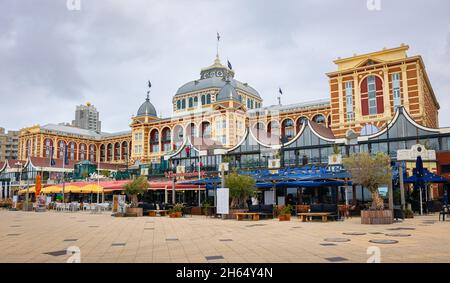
[228,92]
[147,109]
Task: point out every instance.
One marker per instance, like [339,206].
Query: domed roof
[215,76]
[228,92]
[147,109]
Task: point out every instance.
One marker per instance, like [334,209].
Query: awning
[51,190]
[310,184]
[31,190]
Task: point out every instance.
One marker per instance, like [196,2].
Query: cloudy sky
[53,58]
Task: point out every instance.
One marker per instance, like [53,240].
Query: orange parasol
[38,185]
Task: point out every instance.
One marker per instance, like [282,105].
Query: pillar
[357,100]
[341,101]
[1,190]
[386,93]
[404,93]
[9,190]
[420,88]
[402,186]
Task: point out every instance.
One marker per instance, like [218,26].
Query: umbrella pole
[420,200]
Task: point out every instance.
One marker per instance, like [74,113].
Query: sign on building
[414,152]
[335,159]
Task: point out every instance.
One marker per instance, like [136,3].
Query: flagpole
[217,45]
[98,182]
[64,173]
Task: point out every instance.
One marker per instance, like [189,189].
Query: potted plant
[285,213]
[409,213]
[176,211]
[132,189]
[205,208]
[371,171]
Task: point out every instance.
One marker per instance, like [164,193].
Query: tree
[135,187]
[370,171]
[241,188]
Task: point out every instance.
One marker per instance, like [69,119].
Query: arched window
[208,99]
[124,151]
[117,151]
[206,129]
[319,119]
[72,151]
[178,136]
[166,139]
[203,99]
[372,95]
[92,153]
[192,130]
[195,101]
[368,130]
[109,152]
[273,128]
[61,149]
[300,122]
[154,141]
[48,147]
[178,104]
[287,129]
[191,102]
[82,152]
[102,153]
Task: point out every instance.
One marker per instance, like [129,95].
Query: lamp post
[98,182]
[19,166]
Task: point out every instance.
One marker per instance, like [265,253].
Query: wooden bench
[157,212]
[253,215]
[304,216]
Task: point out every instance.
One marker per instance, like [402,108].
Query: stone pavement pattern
[30,237]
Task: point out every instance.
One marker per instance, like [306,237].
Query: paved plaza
[44,237]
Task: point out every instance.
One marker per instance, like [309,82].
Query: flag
[66,155]
[218,37]
[279,89]
[149,84]
[229,65]
[52,161]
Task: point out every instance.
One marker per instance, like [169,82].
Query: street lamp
[19,167]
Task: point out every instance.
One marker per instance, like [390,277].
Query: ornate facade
[216,110]
[51,140]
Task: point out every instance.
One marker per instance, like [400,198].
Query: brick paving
[44,237]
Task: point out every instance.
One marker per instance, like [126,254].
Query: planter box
[176,215]
[135,210]
[196,211]
[377,217]
[284,217]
